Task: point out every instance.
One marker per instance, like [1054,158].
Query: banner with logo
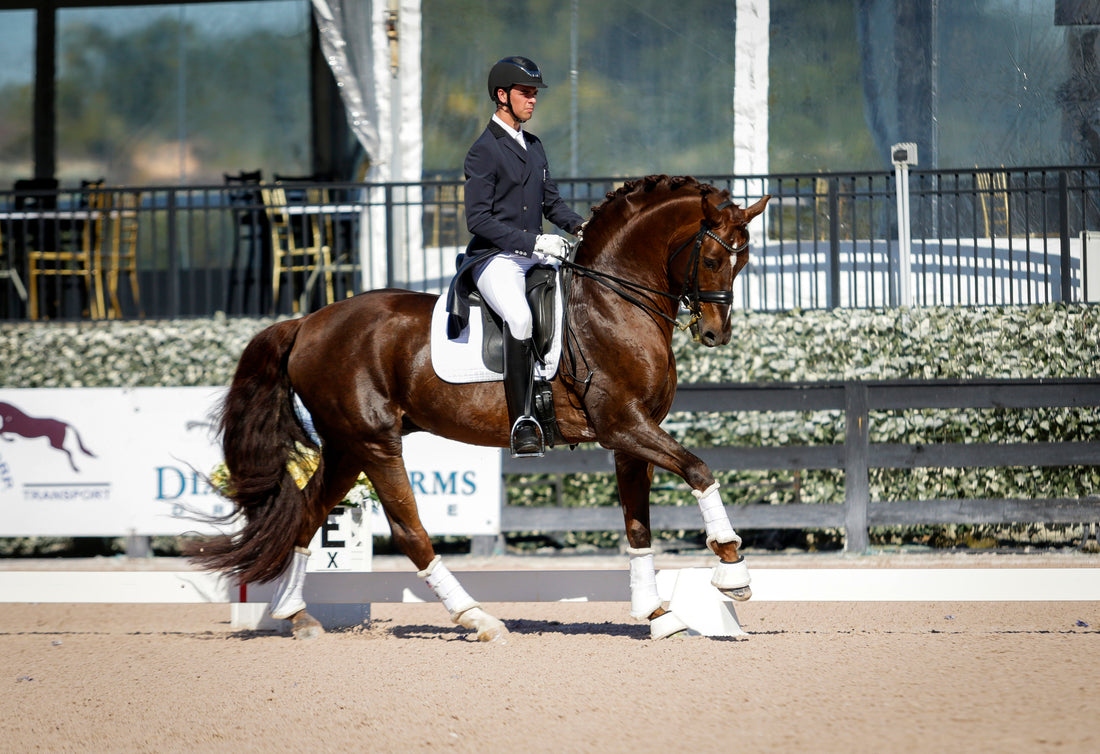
[116,461]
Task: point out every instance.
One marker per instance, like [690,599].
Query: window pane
[16,95]
[183,93]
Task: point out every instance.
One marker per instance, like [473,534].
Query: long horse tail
[261,433]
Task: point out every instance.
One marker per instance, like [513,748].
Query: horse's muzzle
[711,336]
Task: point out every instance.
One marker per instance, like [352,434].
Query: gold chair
[447,214]
[123,258]
[298,246]
[993,188]
[76,251]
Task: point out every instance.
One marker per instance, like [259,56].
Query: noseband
[690,296]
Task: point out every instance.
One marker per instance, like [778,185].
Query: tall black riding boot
[519,365]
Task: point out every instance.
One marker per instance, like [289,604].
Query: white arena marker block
[694,600]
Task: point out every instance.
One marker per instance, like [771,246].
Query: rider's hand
[551,247]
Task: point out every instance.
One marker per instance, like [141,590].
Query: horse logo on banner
[13,421]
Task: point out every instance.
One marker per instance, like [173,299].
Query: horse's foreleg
[656,447]
[391,482]
[731,575]
[635,478]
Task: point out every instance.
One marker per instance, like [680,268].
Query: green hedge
[924,343]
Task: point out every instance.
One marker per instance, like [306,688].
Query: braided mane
[651,182]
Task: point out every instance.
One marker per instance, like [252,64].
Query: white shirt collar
[515,133]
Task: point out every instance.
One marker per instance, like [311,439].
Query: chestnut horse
[362,368]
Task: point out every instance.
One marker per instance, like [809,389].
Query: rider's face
[522,99]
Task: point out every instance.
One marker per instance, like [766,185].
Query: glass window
[16,95]
[183,93]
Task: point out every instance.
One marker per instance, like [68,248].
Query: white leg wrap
[447,588]
[643,583]
[714,516]
[288,592]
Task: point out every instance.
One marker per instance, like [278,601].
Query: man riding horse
[508,192]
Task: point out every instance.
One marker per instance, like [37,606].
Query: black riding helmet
[514,71]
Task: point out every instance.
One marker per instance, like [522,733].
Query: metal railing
[1000,236]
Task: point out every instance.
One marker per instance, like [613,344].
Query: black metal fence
[1001,236]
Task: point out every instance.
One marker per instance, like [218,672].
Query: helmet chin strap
[507,105]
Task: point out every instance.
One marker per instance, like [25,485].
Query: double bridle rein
[690,296]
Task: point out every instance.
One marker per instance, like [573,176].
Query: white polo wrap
[447,588]
[714,516]
[644,598]
[288,591]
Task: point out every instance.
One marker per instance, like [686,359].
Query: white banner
[115,461]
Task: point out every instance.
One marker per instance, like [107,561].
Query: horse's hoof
[495,633]
[741,594]
[732,579]
[305,626]
[488,628]
[666,625]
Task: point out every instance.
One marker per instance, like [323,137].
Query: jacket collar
[510,141]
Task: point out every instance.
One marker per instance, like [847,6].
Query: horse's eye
[710,264]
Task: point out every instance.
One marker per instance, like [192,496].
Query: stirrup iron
[522,422]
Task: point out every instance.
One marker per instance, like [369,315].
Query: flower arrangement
[301,467]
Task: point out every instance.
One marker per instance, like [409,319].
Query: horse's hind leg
[324,491]
[391,482]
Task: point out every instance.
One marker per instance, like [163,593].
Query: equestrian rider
[508,191]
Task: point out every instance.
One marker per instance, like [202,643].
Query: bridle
[690,295]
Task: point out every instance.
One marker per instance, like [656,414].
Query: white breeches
[502,282]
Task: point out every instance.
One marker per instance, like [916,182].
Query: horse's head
[708,261]
[658,243]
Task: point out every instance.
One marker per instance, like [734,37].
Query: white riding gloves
[551,249]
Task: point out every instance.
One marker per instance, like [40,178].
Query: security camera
[904,153]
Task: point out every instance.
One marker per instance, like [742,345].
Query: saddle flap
[542,288]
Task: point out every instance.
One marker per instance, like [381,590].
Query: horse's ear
[756,209]
[711,213]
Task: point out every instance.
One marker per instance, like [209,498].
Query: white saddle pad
[459,360]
